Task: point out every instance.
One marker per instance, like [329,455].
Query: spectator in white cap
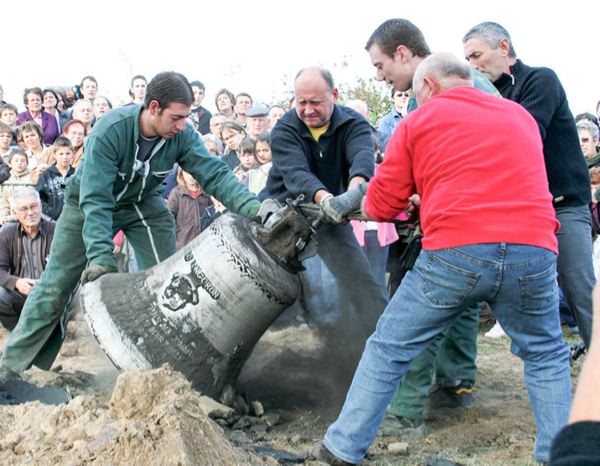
[256,120]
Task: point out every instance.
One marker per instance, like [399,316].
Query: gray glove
[335,209]
[96,271]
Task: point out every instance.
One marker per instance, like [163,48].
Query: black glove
[94,272]
[335,209]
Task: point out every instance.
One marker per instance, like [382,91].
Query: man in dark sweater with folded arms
[488,47]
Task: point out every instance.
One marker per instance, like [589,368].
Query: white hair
[359,105]
[445,68]
[23,192]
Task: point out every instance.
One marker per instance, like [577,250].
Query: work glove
[254,208]
[94,272]
[336,209]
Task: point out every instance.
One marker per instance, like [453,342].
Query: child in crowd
[51,184]
[188,202]
[257,177]
[212,213]
[6,140]
[232,134]
[9,115]
[19,177]
[247,156]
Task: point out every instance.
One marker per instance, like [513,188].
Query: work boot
[445,401]
[321,453]
[6,373]
[404,427]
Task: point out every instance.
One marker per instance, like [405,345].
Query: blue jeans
[518,281]
[575,266]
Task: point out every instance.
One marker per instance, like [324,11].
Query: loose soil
[298,374]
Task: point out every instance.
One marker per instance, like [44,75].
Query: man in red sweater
[489,235]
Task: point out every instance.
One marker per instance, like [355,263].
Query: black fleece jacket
[302,165]
[540,92]
[576,445]
[51,187]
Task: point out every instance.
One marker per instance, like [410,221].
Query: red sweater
[477,163]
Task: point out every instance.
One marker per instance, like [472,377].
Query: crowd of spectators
[42,146]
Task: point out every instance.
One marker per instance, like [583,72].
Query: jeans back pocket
[446,284]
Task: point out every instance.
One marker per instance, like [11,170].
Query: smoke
[309,355]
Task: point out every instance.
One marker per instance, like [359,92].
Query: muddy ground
[153,418]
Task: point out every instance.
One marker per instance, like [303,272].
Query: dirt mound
[153,418]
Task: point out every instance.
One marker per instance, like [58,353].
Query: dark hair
[264,137]
[376,141]
[31,126]
[32,90]
[397,31]
[169,87]
[198,84]
[247,145]
[105,98]
[52,91]
[243,94]
[229,94]
[88,78]
[62,141]
[17,151]
[9,107]
[138,76]
[60,94]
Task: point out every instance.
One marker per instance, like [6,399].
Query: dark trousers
[358,288]
[11,303]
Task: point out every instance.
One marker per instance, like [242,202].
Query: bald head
[313,73]
[438,73]
[315,96]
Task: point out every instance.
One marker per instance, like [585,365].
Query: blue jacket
[302,165]
[386,127]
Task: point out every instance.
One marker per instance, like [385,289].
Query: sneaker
[445,401]
[495,332]
[321,453]
[404,427]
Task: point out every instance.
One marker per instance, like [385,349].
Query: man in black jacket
[24,250]
[323,150]
[488,47]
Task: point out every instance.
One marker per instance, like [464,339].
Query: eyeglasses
[32,207]
[584,140]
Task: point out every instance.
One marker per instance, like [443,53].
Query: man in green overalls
[118,187]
